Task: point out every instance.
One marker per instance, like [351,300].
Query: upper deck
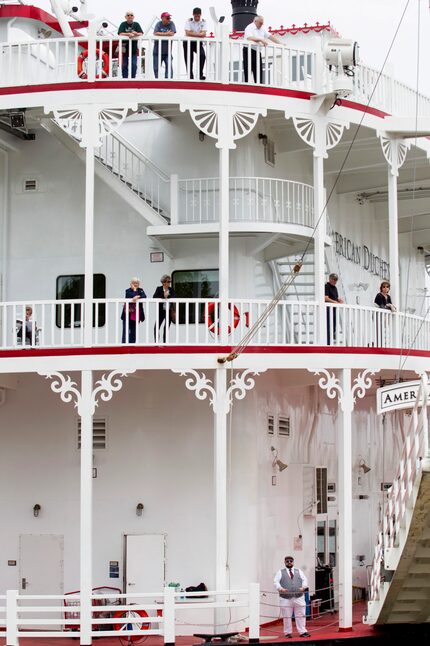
[36,66]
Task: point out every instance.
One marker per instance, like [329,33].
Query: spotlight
[139,509]
[201,136]
[363,465]
[276,462]
[36,510]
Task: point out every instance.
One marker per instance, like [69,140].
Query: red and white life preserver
[135,622]
[213,321]
[101,58]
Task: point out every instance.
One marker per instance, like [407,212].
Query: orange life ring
[135,623]
[104,58]
[213,318]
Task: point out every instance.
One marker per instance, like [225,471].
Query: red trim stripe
[181,85]
[209,349]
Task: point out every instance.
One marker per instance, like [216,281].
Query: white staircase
[126,170]
[302,289]
[400,579]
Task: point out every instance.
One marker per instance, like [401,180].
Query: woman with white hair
[132,312]
[166,311]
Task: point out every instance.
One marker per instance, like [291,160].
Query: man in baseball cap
[166,29]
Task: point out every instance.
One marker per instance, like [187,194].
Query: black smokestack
[244,12]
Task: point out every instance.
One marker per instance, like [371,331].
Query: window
[72,287]
[99,433]
[198,283]
[270,425]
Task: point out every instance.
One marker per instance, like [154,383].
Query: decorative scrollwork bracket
[69,390]
[203,387]
[331,384]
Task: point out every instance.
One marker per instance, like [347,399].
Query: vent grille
[31,185]
[99,433]
[321,482]
[284,426]
[270,425]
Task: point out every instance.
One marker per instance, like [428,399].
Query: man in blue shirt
[132,30]
[166,28]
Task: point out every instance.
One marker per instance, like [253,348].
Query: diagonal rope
[245,341]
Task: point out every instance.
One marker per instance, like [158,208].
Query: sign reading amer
[397,396]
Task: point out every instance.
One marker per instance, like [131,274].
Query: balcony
[58,324]
[55,61]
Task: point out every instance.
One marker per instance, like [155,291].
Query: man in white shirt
[257,34]
[195,28]
[291,584]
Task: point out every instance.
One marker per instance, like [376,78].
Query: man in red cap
[166,29]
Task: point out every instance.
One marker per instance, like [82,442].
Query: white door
[145,563]
[41,572]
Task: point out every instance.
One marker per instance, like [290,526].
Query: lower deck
[322,629]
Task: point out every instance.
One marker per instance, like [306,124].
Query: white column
[319,243]
[345,502]
[393,236]
[89,243]
[86,413]
[223,262]
[220,470]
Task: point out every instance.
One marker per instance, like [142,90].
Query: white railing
[252,199]
[403,491]
[55,60]
[388,94]
[137,615]
[57,324]
[137,171]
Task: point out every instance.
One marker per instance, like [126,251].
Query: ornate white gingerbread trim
[227,124]
[330,383]
[90,124]
[395,151]
[69,391]
[320,133]
[202,387]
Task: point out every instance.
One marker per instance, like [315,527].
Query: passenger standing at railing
[256,33]
[195,27]
[291,584]
[132,30]
[166,311]
[383,300]
[132,312]
[331,295]
[166,28]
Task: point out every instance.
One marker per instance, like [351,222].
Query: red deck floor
[322,628]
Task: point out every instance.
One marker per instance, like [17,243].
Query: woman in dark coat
[166,311]
[383,299]
[132,312]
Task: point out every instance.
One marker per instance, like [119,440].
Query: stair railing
[402,494]
[138,172]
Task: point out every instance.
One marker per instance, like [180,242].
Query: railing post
[91,60]
[174,198]
[254,612]
[12,618]
[225,53]
[169,615]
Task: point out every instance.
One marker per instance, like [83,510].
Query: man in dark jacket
[166,311]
